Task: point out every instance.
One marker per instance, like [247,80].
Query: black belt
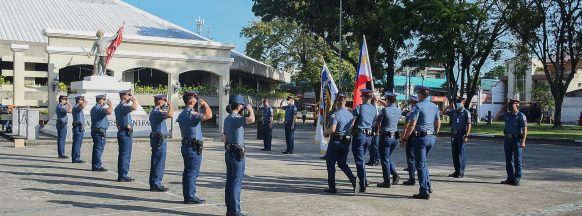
[99,131]
[340,137]
[61,123]
[197,144]
[459,132]
[159,136]
[77,124]
[512,136]
[422,133]
[366,131]
[236,148]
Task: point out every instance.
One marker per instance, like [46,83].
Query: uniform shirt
[123,115]
[190,124]
[290,111]
[158,121]
[425,114]
[62,113]
[267,114]
[233,129]
[342,119]
[78,114]
[460,118]
[99,117]
[389,117]
[367,113]
[409,116]
[515,123]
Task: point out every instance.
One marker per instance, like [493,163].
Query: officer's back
[99,117]
[427,113]
[390,118]
[344,121]
[190,124]
[366,113]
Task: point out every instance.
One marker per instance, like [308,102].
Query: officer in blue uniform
[124,125]
[515,136]
[424,126]
[460,129]
[99,125]
[410,144]
[62,119]
[234,152]
[267,125]
[374,150]
[78,128]
[158,141]
[339,144]
[190,121]
[364,116]
[290,119]
[387,125]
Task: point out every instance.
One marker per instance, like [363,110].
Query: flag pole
[340,48]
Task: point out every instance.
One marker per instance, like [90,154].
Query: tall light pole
[340,48]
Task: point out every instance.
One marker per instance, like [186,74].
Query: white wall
[571,109]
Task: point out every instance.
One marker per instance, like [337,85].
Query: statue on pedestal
[103,49]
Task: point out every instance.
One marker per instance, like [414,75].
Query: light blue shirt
[99,117]
[389,118]
[367,113]
[342,119]
[78,114]
[158,121]
[425,115]
[123,115]
[290,111]
[190,124]
[62,113]
[267,114]
[234,129]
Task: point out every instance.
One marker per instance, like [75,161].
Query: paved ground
[36,183]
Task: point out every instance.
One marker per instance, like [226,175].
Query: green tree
[495,73]
[541,93]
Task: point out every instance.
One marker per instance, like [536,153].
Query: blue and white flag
[327,97]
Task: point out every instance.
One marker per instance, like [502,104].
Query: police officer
[78,128]
[235,150]
[460,129]
[290,119]
[374,150]
[190,122]
[158,141]
[339,145]
[424,126]
[99,125]
[267,125]
[515,136]
[124,125]
[387,124]
[364,116]
[62,119]
[410,143]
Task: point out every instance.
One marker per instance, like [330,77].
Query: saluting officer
[412,100]
[387,124]
[290,119]
[339,144]
[78,128]
[461,127]
[267,125]
[190,121]
[124,124]
[99,125]
[364,116]
[426,123]
[62,119]
[515,136]
[158,141]
[235,151]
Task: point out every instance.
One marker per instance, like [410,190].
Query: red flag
[364,74]
[114,44]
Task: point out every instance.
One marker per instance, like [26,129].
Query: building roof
[428,82]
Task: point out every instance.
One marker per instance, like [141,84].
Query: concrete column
[528,82]
[53,72]
[19,73]
[222,97]
[510,79]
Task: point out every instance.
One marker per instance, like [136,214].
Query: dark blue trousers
[125,141]
[387,146]
[459,151]
[78,135]
[235,170]
[61,139]
[513,155]
[267,136]
[375,149]
[158,161]
[289,137]
[422,146]
[337,152]
[192,161]
[410,158]
[98,148]
[359,147]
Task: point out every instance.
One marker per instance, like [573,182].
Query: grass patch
[534,130]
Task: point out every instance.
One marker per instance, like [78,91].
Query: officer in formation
[267,125]
[339,144]
[364,116]
[290,120]
[234,152]
[78,128]
[124,125]
[374,150]
[99,125]
[460,119]
[515,136]
[158,141]
[410,144]
[387,127]
[426,123]
[190,120]
[62,119]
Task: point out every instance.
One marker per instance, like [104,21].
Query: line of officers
[422,124]
[190,119]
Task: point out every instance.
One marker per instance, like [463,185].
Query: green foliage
[542,94]
[138,89]
[495,73]
[62,87]
[4,80]
[261,93]
[279,115]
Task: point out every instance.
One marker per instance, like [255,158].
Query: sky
[224,18]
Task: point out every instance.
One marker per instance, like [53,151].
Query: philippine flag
[364,74]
